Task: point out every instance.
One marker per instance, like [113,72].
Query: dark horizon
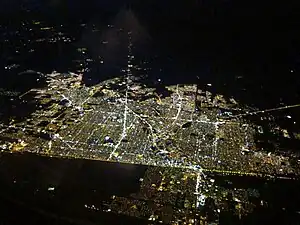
[212,42]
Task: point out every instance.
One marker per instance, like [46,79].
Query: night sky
[220,40]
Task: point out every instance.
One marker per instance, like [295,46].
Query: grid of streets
[183,137]
[110,123]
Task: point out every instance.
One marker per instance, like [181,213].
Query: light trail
[197,190]
[22,95]
[124,131]
[264,111]
[149,125]
[179,106]
[215,143]
[64,97]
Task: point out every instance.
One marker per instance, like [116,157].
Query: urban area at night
[135,146]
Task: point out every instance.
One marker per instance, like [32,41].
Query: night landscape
[149,112]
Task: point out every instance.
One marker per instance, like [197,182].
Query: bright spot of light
[51,188]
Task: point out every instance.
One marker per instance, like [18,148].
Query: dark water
[76,183]
[25,179]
